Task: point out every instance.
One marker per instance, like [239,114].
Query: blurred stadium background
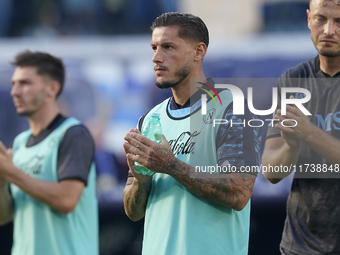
[110,83]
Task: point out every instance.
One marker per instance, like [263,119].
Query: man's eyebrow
[320,15]
[167,43]
[21,80]
[163,44]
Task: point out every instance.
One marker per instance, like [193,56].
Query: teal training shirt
[177,222]
[38,228]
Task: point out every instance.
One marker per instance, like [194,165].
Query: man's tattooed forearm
[138,197]
[227,191]
[136,200]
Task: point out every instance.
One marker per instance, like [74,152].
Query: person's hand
[140,177]
[157,157]
[6,163]
[292,134]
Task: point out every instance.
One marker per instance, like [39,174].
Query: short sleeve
[75,155]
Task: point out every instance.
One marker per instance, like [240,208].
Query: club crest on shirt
[210,116]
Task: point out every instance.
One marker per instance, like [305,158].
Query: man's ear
[308,18]
[200,51]
[53,88]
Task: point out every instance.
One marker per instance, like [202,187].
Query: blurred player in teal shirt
[47,180]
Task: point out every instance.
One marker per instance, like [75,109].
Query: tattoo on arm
[138,196]
[135,199]
[161,158]
[229,190]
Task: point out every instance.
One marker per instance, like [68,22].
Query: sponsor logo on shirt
[184,143]
[327,123]
[331,121]
[32,166]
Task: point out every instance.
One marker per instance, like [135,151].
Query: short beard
[25,114]
[326,53]
[35,102]
[329,54]
[181,75]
